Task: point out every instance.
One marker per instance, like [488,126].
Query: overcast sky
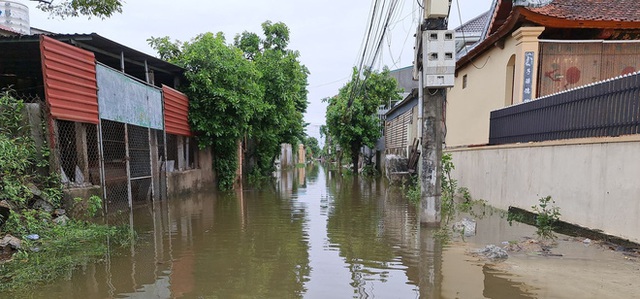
[327,33]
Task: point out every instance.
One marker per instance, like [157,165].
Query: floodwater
[314,234]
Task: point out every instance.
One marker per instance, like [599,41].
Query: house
[536,48]
[546,103]
[470,33]
[395,119]
[117,125]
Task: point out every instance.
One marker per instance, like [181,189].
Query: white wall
[594,181]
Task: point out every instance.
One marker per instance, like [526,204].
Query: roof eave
[505,29]
[522,13]
[555,22]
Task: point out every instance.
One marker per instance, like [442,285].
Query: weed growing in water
[59,250]
[548,215]
[411,189]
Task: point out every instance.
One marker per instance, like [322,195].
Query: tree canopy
[312,147]
[351,118]
[224,95]
[284,80]
[255,88]
[74,8]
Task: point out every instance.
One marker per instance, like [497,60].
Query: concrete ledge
[577,141]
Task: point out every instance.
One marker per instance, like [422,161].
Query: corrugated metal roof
[70,81]
[98,42]
[109,53]
[176,112]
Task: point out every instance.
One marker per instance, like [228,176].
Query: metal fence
[133,164]
[609,108]
[77,151]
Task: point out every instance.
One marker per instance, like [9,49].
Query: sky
[328,34]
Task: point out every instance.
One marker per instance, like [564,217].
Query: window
[508,87]
[464,81]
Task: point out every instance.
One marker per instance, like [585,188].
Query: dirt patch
[571,268]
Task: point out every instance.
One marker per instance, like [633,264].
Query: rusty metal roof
[107,52]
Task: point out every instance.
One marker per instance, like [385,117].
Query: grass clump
[47,243]
[58,251]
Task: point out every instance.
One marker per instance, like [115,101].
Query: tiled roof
[591,10]
[476,24]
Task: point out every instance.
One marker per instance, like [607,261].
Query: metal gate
[132,164]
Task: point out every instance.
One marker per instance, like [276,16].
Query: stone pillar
[181,162]
[155,164]
[81,150]
[240,153]
[526,67]
[301,154]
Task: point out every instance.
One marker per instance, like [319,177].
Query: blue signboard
[124,99]
[527,90]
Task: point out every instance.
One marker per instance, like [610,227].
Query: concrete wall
[190,181]
[78,210]
[594,181]
[286,155]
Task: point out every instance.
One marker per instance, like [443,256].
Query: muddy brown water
[314,234]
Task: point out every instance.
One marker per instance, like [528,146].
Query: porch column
[526,66]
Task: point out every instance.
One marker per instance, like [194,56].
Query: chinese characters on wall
[528,76]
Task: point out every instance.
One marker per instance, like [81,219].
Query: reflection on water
[313,234]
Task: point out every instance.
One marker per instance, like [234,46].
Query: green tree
[351,118]
[311,144]
[74,8]
[284,80]
[224,95]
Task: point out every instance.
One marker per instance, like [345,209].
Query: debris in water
[33,237]
[493,252]
[465,226]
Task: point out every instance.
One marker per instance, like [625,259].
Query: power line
[381,17]
[329,83]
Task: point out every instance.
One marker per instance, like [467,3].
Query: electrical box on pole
[434,9]
[439,58]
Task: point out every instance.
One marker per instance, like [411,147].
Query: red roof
[591,10]
[600,14]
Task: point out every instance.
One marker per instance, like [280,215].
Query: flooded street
[313,235]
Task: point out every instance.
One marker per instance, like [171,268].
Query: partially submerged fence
[609,108]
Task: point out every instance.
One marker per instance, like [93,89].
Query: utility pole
[435,68]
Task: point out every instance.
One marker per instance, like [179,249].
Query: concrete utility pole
[435,59]
[431,170]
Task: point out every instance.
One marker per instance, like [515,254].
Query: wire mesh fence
[125,163]
[114,149]
[76,148]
